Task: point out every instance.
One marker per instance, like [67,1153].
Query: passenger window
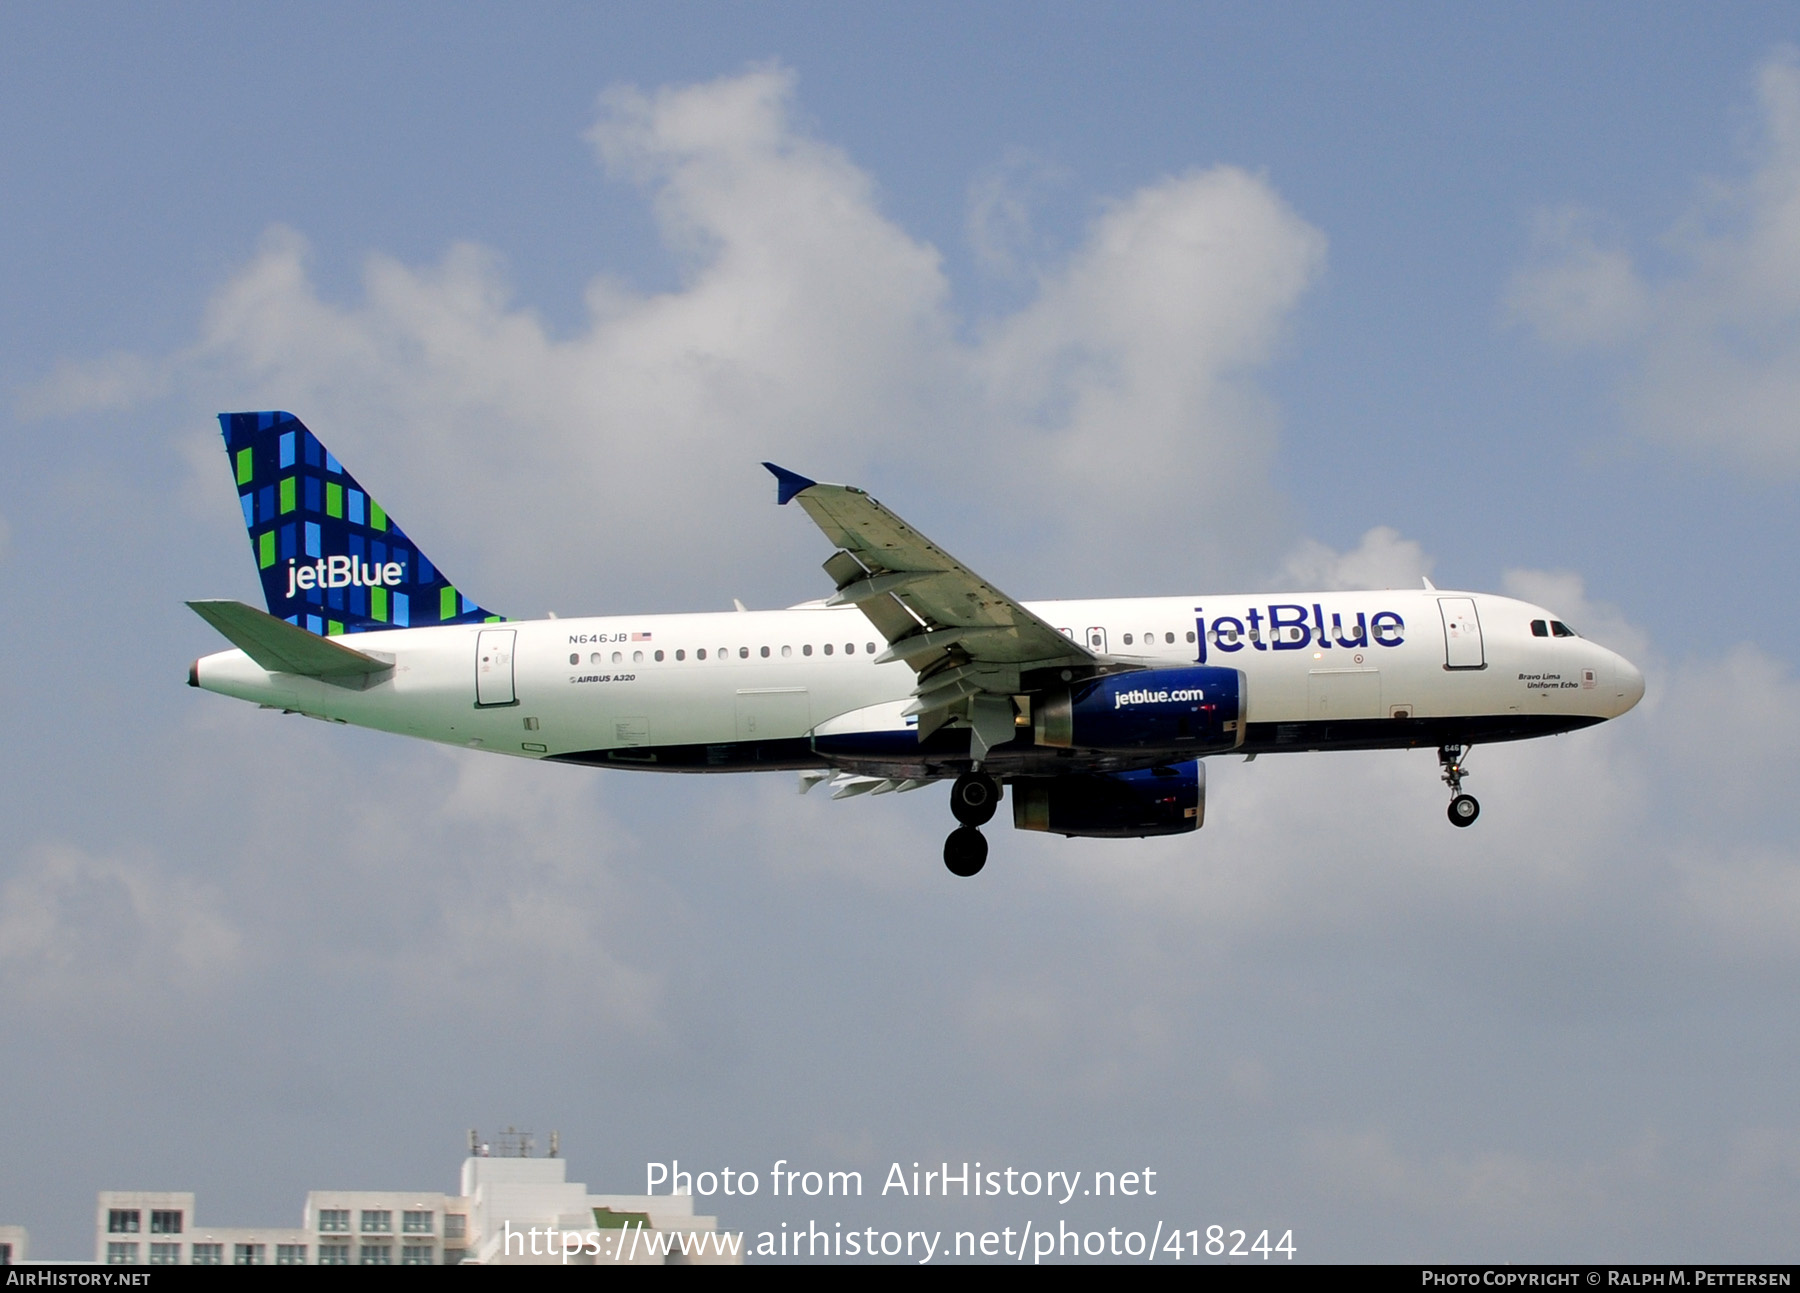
[786,651]
[1169,638]
[618,656]
[765,653]
[849,648]
[723,652]
[1539,629]
[743,653]
[1128,639]
[681,655]
[700,654]
[1190,635]
[659,656]
[594,658]
[869,647]
[574,657]
[637,657]
[828,648]
[807,649]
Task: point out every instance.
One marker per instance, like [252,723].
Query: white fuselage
[622,688]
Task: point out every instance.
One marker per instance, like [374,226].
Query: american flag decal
[640,637]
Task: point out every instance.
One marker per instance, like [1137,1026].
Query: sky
[1157,299]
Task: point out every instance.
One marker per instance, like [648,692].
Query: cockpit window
[1561,630]
[1539,629]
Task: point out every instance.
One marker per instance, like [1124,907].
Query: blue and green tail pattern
[332,560]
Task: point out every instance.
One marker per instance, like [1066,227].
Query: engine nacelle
[1114,805]
[1198,708]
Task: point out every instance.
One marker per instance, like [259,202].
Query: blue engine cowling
[1197,708]
[1114,805]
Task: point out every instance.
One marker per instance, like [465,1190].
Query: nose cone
[1628,685]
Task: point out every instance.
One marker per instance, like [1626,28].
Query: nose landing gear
[1463,808]
[973,800]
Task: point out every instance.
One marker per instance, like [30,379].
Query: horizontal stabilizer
[281,647]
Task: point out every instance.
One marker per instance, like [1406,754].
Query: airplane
[1096,715]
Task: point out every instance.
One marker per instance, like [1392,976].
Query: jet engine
[1114,805]
[1197,709]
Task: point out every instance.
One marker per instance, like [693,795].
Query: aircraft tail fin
[332,560]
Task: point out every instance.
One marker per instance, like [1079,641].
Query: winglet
[788,483]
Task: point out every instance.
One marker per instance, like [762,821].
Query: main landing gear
[973,800]
[1463,808]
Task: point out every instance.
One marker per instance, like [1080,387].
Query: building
[15,1244]
[511,1210]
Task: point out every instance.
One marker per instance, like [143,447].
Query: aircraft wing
[968,641]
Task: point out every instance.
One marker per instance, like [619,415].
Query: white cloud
[1000,226]
[1727,721]
[1128,384]
[116,381]
[1580,287]
[807,328]
[454,884]
[1381,560]
[111,936]
[1712,346]
[537,907]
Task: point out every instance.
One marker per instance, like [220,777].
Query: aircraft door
[494,668]
[1462,634]
[1096,640]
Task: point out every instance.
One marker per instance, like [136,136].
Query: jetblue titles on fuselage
[1290,626]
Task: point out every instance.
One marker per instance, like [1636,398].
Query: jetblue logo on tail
[344,572]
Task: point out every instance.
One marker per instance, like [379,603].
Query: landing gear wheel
[1463,808]
[965,852]
[973,799]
